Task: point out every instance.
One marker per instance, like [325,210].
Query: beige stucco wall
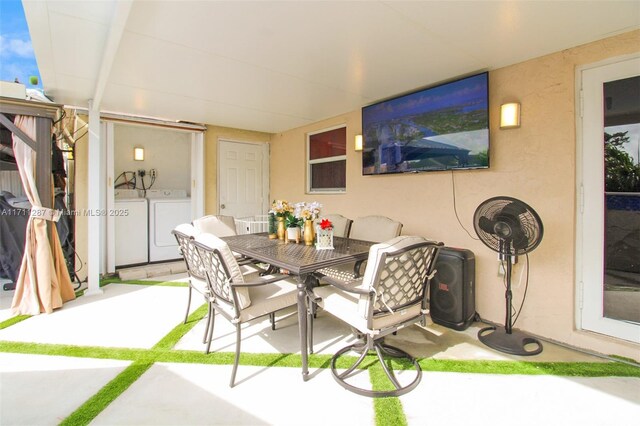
[535,163]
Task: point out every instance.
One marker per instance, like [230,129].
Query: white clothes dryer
[130,227]
[168,208]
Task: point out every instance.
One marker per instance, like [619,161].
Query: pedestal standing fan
[512,228]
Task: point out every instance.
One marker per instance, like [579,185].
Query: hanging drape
[44,283]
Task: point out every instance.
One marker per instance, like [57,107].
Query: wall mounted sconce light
[510,115]
[138,154]
[358,143]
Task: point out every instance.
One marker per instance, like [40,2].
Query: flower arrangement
[307,211]
[281,208]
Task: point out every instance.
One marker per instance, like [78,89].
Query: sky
[17,59]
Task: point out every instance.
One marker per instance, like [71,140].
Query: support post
[94,240]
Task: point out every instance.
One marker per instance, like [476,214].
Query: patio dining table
[301,261]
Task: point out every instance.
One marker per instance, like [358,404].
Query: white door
[243,178]
[609,199]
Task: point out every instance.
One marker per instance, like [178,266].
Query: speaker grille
[452,299]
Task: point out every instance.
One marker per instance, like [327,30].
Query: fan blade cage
[508,226]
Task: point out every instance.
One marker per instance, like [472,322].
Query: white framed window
[327,160]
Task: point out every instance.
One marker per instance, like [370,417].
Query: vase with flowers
[324,235]
[308,212]
[281,209]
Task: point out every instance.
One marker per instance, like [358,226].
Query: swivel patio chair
[237,297]
[391,295]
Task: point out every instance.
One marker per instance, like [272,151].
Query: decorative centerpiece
[293,228]
[308,212]
[281,209]
[324,235]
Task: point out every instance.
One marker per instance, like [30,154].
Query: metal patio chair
[237,297]
[184,234]
[391,295]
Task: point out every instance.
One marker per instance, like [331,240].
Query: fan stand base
[512,343]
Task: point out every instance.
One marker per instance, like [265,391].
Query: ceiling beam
[116,29]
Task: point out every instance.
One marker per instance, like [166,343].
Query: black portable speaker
[452,300]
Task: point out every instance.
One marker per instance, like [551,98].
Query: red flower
[326,224]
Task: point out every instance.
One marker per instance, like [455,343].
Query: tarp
[43,283]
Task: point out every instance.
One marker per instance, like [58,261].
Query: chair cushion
[374,228]
[218,225]
[210,240]
[340,224]
[188,229]
[345,306]
[269,297]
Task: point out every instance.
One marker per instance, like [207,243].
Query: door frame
[197,162]
[589,312]
[265,170]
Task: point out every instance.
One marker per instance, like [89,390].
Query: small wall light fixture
[510,115]
[358,143]
[138,154]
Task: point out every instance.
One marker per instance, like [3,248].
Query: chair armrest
[356,268]
[263,281]
[343,285]
[244,261]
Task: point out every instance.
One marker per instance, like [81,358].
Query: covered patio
[143,366]
[270,75]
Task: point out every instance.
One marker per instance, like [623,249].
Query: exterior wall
[535,163]
[211,137]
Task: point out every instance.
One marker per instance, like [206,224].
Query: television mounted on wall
[445,127]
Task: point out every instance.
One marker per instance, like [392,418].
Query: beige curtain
[43,283]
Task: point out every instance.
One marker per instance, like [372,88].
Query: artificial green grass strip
[13,320]
[570,369]
[105,396]
[388,411]
[126,354]
[174,336]
[115,280]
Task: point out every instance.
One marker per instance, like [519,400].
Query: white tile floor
[171,393]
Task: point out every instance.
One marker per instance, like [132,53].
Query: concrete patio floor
[46,389]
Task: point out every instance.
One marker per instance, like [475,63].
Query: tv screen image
[439,128]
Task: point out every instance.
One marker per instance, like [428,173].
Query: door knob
[222,206]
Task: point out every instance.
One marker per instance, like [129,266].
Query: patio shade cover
[43,283]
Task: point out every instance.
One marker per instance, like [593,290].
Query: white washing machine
[168,208]
[130,221]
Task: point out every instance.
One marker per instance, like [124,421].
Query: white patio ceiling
[272,66]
